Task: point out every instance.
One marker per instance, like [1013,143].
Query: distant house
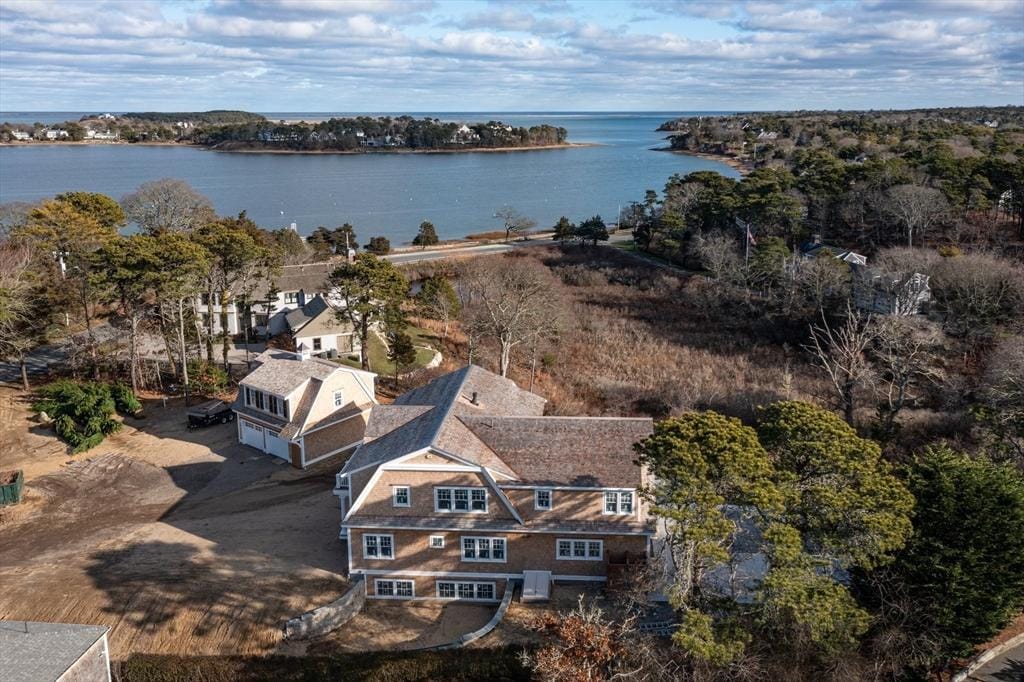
[54,134]
[316,328]
[271,299]
[464,484]
[303,409]
[53,652]
[767,136]
[21,135]
[815,247]
[464,135]
[100,134]
[890,293]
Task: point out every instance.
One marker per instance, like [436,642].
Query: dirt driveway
[182,542]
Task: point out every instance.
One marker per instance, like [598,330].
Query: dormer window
[542,499]
[618,502]
[400,496]
[460,500]
[291,298]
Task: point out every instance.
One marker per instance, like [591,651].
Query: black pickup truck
[210,412]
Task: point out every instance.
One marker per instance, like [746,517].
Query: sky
[540,55]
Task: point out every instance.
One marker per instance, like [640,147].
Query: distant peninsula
[241,131]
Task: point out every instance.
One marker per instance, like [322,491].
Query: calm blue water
[381,194]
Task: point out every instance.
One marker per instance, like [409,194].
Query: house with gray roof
[53,652]
[316,327]
[301,408]
[271,299]
[464,484]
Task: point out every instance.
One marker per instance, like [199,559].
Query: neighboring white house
[890,293]
[315,327]
[271,299]
[100,134]
[54,134]
[53,652]
[21,135]
[815,247]
[303,409]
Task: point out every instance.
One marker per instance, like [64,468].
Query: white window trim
[394,581]
[536,499]
[618,502]
[477,560]
[476,588]
[379,557]
[394,496]
[559,557]
[469,491]
[339,398]
[430,542]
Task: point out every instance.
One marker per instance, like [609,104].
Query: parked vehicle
[210,412]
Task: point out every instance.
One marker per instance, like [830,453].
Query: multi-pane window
[318,343]
[291,297]
[437,542]
[580,550]
[618,502]
[542,499]
[400,496]
[459,590]
[272,403]
[378,547]
[460,500]
[395,589]
[259,400]
[483,549]
[339,398]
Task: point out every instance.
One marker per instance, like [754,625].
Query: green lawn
[379,357]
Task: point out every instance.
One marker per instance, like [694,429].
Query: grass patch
[379,355]
[500,664]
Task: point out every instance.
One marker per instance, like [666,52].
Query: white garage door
[252,434]
[277,446]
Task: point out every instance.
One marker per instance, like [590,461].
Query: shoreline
[350,152]
[742,167]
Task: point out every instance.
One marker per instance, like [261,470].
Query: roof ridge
[451,405]
[555,416]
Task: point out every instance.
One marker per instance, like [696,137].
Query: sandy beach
[743,167]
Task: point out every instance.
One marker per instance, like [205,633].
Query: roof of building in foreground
[480,417]
[38,652]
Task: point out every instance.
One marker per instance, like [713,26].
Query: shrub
[124,399]
[379,245]
[207,378]
[500,665]
[83,413]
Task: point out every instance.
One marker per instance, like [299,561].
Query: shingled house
[316,327]
[463,484]
[303,409]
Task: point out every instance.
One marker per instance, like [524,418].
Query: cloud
[419,54]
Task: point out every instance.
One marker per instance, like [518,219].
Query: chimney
[816,239]
[473,400]
[302,352]
[294,227]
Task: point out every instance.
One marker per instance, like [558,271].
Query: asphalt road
[1006,668]
[406,257]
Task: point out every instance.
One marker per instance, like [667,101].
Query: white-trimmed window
[378,546]
[339,398]
[542,499]
[448,589]
[394,589]
[618,502]
[579,550]
[436,542]
[400,496]
[291,297]
[272,404]
[318,343]
[460,500]
[483,549]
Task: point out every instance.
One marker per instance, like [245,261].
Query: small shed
[53,652]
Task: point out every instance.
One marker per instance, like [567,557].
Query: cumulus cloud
[558,54]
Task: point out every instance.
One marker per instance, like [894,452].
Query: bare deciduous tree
[841,350]
[513,221]
[916,208]
[14,305]
[720,256]
[167,205]
[903,353]
[510,300]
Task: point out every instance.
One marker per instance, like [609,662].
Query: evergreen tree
[427,236]
[564,229]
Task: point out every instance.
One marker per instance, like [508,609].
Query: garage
[276,446]
[252,434]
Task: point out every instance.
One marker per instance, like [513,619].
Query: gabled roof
[435,424]
[298,318]
[43,651]
[281,372]
[503,430]
[565,451]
